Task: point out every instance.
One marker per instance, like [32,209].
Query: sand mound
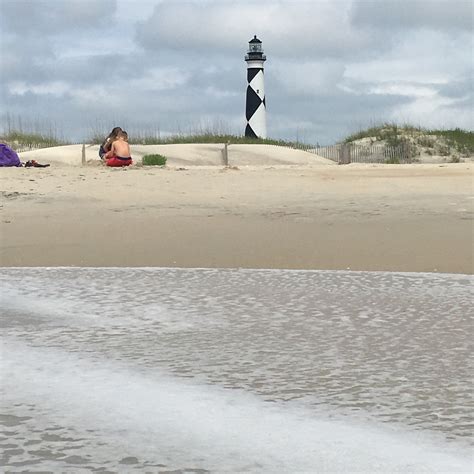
[66,155]
[185,155]
[193,154]
[242,155]
[238,155]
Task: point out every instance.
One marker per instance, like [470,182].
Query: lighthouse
[255,108]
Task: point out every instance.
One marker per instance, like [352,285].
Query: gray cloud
[290,28]
[33,32]
[332,66]
[46,17]
[414,14]
[458,89]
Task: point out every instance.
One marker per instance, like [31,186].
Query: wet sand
[362,217]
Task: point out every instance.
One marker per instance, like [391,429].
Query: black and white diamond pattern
[255,104]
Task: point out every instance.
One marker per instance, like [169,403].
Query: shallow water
[260,370]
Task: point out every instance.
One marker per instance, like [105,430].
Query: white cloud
[308,77]
[217,93]
[160,79]
[421,56]
[434,112]
[409,90]
[98,96]
[54,88]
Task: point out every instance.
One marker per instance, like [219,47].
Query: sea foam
[236,370]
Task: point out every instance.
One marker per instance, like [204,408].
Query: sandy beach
[231,369]
[279,213]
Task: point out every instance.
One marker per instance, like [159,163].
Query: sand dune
[186,155]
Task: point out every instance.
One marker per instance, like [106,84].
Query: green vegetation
[211,138]
[386,131]
[17,140]
[154,160]
[207,137]
[29,132]
[445,141]
[461,140]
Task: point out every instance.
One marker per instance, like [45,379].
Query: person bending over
[119,154]
[107,143]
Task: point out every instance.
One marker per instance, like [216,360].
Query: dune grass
[144,139]
[462,140]
[394,134]
[29,132]
[17,139]
[383,131]
[20,133]
[36,140]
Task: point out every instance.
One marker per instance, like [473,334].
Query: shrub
[426,141]
[154,160]
[443,150]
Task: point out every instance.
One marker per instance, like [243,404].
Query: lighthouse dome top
[255,52]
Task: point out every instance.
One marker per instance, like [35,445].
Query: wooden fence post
[345,154]
[83,154]
[406,152]
[225,154]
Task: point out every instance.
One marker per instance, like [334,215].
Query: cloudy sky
[176,66]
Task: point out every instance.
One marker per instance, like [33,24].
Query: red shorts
[118,161]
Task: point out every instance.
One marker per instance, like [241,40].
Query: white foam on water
[158,418]
[59,307]
[101,360]
[47,308]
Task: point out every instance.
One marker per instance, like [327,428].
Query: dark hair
[112,136]
[123,134]
[115,131]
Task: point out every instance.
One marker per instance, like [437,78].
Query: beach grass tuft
[154,160]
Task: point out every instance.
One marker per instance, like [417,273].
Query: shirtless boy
[119,154]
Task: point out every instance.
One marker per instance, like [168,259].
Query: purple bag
[8,157]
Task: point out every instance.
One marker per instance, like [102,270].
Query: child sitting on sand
[119,154]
